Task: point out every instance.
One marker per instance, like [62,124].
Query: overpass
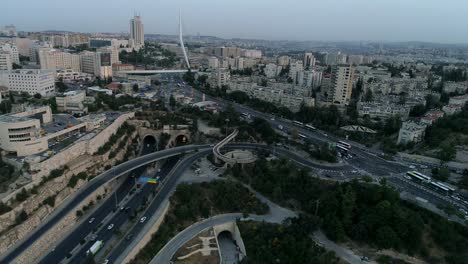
[123,168]
[149,72]
[230,160]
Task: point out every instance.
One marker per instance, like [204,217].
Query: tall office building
[309,60]
[341,85]
[53,59]
[136,31]
[97,63]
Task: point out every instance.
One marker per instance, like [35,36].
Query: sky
[327,20]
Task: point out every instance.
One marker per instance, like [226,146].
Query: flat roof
[13,119]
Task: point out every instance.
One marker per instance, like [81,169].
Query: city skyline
[273,20]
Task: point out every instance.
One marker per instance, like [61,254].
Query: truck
[95,248]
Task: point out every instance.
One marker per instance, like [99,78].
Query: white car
[143,219]
[110,227]
[91,220]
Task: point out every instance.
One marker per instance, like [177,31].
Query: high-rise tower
[136,31]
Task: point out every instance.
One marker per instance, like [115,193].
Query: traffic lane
[166,189]
[86,191]
[118,220]
[290,155]
[418,191]
[68,243]
[318,136]
[85,228]
[122,217]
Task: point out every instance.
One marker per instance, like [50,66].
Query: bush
[22,196]
[21,217]
[49,201]
[4,208]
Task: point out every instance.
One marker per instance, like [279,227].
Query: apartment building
[341,87]
[30,81]
[411,132]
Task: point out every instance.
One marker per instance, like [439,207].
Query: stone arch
[180,139]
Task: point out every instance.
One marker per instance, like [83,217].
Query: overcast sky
[380,20]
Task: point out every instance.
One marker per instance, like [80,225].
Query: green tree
[417,110]
[172,101]
[386,237]
[21,217]
[17,66]
[368,96]
[348,205]
[447,152]
[135,87]
[5,106]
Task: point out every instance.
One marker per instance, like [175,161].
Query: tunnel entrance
[181,140]
[149,144]
[228,247]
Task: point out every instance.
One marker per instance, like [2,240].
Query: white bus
[95,248]
[418,176]
[442,188]
[310,127]
[342,149]
[302,136]
[344,144]
[297,123]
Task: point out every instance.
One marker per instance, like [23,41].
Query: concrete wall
[37,213]
[80,148]
[234,230]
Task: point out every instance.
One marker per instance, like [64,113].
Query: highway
[366,159]
[120,218]
[164,193]
[71,202]
[71,240]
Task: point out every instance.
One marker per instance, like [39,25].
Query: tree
[368,96]
[172,101]
[21,217]
[447,152]
[16,66]
[392,125]
[5,106]
[441,174]
[417,110]
[386,237]
[202,79]
[135,87]
[60,85]
[37,96]
[431,102]
[463,183]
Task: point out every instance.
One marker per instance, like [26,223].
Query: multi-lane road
[364,159]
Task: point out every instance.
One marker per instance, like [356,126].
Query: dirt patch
[196,244]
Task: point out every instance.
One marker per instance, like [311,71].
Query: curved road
[128,166]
